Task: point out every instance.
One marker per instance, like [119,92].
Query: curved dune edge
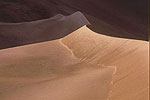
[82,55]
[129,56]
[46,70]
[30,69]
[25,33]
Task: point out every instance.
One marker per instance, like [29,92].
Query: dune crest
[83,53]
[74,66]
[129,56]
[24,33]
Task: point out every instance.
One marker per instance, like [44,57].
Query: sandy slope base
[76,67]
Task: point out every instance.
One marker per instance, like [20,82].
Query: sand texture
[75,68]
[62,59]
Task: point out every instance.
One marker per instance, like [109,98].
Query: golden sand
[76,67]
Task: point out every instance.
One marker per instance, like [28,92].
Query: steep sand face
[129,56]
[50,71]
[74,68]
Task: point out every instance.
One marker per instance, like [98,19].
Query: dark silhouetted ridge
[17,34]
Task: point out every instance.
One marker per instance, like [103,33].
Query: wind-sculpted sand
[75,68]
[131,58]
[56,27]
[50,71]
[82,65]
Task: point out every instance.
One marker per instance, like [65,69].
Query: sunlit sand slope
[129,56]
[50,71]
[89,85]
[75,68]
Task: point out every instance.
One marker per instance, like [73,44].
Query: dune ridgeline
[60,58]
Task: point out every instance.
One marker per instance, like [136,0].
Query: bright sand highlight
[75,68]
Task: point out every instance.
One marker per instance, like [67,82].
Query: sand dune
[60,58]
[50,70]
[131,57]
[89,85]
[17,34]
[75,68]
[128,16]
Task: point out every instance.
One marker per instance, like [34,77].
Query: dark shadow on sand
[18,34]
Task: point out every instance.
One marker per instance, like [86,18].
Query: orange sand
[75,68]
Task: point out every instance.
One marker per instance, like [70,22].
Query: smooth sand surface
[50,71]
[88,84]
[131,57]
[76,68]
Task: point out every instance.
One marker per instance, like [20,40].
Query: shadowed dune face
[50,71]
[76,68]
[125,19]
[129,17]
[18,34]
